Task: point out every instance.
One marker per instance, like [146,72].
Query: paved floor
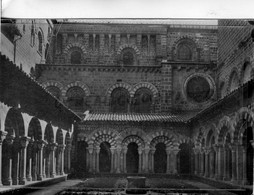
[53,189]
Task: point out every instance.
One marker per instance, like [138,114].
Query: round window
[198,89]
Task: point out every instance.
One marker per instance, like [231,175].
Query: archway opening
[247,138]
[160,158]
[185,158]
[104,157]
[81,157]
[132,158]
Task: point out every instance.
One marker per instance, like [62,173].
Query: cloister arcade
[132,152]
[225,151]
[31,149]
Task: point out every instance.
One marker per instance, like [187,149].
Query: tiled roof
[135,117]
[165,21]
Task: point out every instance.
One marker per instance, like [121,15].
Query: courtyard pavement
[53,189]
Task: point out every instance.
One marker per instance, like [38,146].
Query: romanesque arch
[14,126]
[122,47]
[185,48]
[54,87]
[233,82]
[76,84]
[71,45]
[14,123]
[147,85]
[126,86]
[224,126]
[244,118]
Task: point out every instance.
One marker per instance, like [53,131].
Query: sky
[195,9]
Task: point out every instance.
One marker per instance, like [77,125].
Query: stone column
[244,168]
[152,159]
[2,137]
[233,163]
[29,171]
[220,162]
[61,148]
[207,151]
[90,150]
[216,149]
[52,160]
[168,151]
[202,162]
[68,158]
[239,157]
[94,36]
[211,164]
[97,160]
[140,160]
[40,145]
[146,163]
[118,151]
[196,151]
[16,162]
[174,154]
[225,168]
[124,159]
[23,143]
[112,170]
[8,171]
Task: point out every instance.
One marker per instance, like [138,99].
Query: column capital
[2,136]
[61,147]
[147,150]
[196,150]
[10,139]
[140,150]
[252,143]
[24,141]
[175,151]
[52,146]
[40,144]
[207,151]
[90,149]
[152,151]
[97,149]
[112,149]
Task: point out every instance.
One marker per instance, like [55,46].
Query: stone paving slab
[53,189]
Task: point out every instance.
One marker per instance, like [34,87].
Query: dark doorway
[105,157]
[247,137]
[185,158]
[81,157]
[160,158]
[132,158]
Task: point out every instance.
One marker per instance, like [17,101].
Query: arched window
[184,52]
[47,53]
[32,34]
[234,82]
[75,57]
[143,101]
[75,98]
[55,91]
[40,42]
[120,99]
[246,72]
[128,57]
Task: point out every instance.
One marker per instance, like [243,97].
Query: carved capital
[9,139]
[24,141]
[2,136]
[61,147]
[40,144]
[52,146]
